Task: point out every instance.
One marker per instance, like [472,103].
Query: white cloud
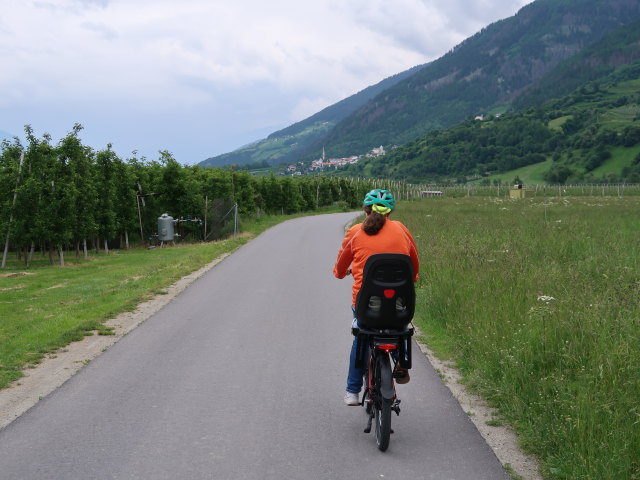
[170,72]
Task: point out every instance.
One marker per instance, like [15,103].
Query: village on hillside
[324,163]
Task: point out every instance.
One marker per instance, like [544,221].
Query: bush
[558,174]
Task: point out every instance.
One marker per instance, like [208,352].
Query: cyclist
[376,234]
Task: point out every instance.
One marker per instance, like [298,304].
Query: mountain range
[286,145]
[512,64]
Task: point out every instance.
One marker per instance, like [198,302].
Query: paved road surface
[242,377]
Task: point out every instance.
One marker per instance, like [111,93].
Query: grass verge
[44,308]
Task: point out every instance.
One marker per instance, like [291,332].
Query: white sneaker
[351,398]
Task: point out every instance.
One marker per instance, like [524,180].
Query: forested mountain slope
[485,73]
[576,135]
[618,48]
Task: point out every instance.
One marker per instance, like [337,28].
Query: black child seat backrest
[387,298]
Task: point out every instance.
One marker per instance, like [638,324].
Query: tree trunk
[77,249]
[96,242]
[32,251]
[52,259]
[86,253]
[126,240]
[61,255]
[106,247]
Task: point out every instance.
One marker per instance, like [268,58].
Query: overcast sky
[204,77]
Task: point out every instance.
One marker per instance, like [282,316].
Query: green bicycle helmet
[381,201]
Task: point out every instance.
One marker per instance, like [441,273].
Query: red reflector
[389,293]
[386,347]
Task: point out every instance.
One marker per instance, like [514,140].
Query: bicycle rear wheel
[382,405]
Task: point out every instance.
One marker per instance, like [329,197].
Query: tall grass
[538,301]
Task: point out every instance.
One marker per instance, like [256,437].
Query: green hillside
[484,73]
[592,135]
[274,149]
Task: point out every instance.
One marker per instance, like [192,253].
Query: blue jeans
[354,377]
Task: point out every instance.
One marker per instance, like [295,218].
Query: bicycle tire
[382,405]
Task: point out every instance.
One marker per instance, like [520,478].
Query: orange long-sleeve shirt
[357,247]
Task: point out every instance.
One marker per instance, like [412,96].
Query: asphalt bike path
[242,377]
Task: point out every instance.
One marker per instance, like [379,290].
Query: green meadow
[538,302]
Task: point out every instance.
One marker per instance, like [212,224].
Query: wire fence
[221,218]
[408,191]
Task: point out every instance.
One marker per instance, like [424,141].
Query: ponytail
[374,221]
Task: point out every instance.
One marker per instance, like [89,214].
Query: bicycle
[384,308]
[380,398]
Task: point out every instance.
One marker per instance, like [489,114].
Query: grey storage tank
[166,228]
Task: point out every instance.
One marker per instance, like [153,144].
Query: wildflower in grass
[545,298]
